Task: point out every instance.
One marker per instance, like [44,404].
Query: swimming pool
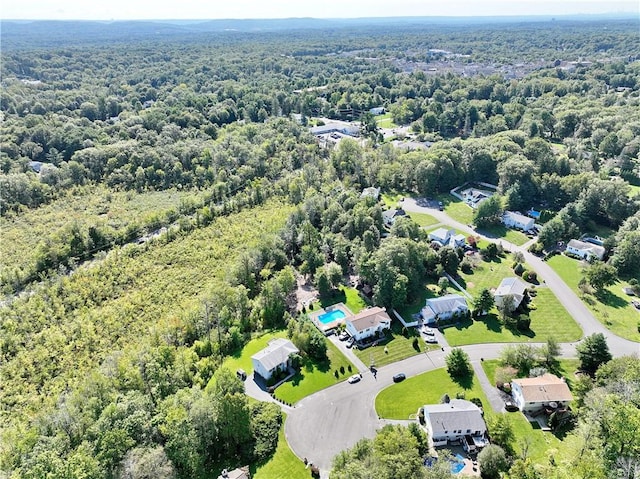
[457,464]
[330,316]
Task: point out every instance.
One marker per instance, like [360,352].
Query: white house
[379,110]
[513,287]
[443,307]
[344,128]
[585,250]
[517,220]
[273,358]
[367,323]
[546,391]
[442,236]
[452,421]
[457,241]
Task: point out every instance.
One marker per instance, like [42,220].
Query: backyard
[612,308]
[350,297]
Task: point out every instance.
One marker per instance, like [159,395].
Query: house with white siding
[368,323]
[273,358]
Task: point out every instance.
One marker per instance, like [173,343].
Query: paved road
[334,419]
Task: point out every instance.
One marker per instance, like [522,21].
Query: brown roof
[547,387]
[369,318]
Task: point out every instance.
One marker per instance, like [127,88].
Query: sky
[213,9]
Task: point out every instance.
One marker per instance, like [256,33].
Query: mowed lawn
[350,297]
[402,400]
[549,318]
[283,463]
[457,209]
[612,308]
[423,219]
[314,376]
[501,232]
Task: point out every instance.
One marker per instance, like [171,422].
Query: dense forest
[152,190]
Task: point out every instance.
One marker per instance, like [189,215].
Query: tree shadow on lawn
[336,296]
[465,382]
[607,298]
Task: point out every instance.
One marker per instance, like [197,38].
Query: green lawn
[499,231]
[402,400]
[385,121]
[346,295]
[612,308]
[423,219]
[397,347]
[549,318]
[314,376]
[634,190]
[242,359]
[457,209]
[391,198]
[566,368]
[283,463]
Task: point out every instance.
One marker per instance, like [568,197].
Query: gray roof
[518,217]
[584,246]
[512,286]
[455,415]
[276,353]
[449,302]
[441,234]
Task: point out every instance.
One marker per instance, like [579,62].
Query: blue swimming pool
[457,464]
[330,316]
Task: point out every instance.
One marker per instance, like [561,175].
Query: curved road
[334,419]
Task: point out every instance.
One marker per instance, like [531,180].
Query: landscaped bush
[523,322]
[518,269]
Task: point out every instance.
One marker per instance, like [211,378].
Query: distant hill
[46,33]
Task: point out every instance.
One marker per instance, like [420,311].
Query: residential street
[334,419]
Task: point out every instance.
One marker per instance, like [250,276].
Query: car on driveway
[354,379]
[343,336]
[429,332]
[440,206]
[636,304]
[510,406]
[351,342]
[431,340]
[399,377]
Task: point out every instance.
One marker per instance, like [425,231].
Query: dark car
[399,377]
[440,206]
[510,406]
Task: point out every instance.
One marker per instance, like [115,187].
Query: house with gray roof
[273,358]
[442,236]
[389,216]
[453,420]
[371,191]
[513,287]
[585,250]
[516,220]
[443,308]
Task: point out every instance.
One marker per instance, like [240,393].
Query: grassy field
[456,208]
[385,121]
[499,231]
[402,400]
[396,348]
[314,376]
[97,206]
[612,308]
[423,219]
[283,463]
[349,296]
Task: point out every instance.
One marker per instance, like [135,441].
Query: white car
[431,340]
[429,332]
[354,379]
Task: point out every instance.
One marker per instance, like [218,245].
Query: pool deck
[324,327]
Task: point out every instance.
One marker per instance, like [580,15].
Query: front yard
[396,347]
[502,232]
[613,308]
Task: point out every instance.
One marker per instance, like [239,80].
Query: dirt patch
[470,285]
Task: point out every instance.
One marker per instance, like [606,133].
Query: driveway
[334,419]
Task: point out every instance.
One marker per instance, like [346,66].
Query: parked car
[510,406]
[354,379]
[399,377]
[440,206]
[350,342]
[429,332]
[431,340]
[636,304]
[343,336]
